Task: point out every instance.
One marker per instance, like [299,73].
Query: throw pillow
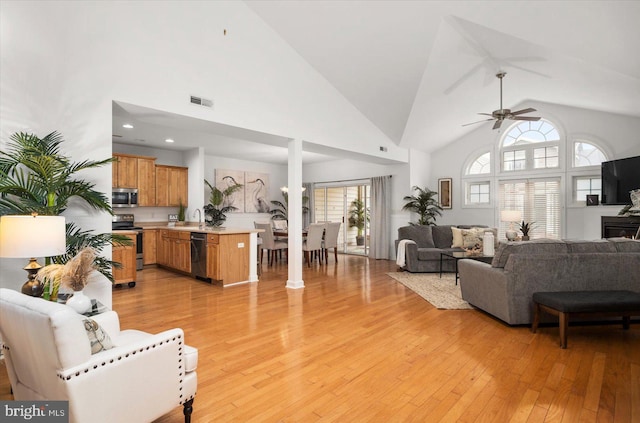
[472,237]
[457,237]
[99,339]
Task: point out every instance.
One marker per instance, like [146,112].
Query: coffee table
[458,255]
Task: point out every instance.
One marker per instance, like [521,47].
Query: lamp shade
[510,215]
[286,189]
[32,236]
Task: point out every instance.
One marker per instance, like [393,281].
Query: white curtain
[308,218]
[379,224]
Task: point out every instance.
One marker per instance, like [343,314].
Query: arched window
[477,190]
[531,145]
[587,154]
[480,165]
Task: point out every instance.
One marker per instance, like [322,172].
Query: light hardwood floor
[356,346]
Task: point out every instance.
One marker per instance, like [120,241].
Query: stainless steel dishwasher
[199,256]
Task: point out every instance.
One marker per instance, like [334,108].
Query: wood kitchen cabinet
[172,186]
[146,181]
[125,255]
[228,257]
[150,246]
[138,172]
[124,171]
[174,250]
[181,250]
[163,248]
[213,257]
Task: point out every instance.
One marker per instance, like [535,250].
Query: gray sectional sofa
[430,241]
[505,287]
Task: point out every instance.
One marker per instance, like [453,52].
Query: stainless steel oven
[124,197]
[125,222]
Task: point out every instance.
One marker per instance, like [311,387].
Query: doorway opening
[348,204]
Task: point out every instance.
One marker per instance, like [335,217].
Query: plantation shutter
[538,200]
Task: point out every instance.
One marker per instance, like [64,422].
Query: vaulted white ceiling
[419,70]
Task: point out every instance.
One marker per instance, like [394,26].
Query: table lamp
[32,236]
[511,216]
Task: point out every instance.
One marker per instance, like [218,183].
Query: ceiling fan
[501,114]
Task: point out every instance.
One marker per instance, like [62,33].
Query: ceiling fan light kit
[501,114]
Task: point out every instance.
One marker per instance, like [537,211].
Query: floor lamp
[31,237]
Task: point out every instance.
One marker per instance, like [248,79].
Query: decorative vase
[488,244]
[79,302]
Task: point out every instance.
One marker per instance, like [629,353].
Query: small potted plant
[525,228]
[181,214]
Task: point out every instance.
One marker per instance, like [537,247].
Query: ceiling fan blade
[532,118]
[480,121]
[486,114]
[497,124]
[519,112]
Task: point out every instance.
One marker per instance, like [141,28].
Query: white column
[295,215]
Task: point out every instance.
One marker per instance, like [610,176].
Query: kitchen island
[230,254]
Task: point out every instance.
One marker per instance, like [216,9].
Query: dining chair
[269,242]
[312,245]
[331,240]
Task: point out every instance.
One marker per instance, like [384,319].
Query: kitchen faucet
[199,218]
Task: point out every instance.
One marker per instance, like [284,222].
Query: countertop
[193,227]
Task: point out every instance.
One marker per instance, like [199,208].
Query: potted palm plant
[215,212]
[280,210]
[358,217]
[36,177]
[525,228]
[425,204]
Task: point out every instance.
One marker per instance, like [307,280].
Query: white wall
[277,179]
[63,63]
[618,135]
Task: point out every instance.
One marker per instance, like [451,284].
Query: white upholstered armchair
[48,354]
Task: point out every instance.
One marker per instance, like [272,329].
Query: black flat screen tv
[618,178]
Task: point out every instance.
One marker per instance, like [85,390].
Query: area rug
[443,293]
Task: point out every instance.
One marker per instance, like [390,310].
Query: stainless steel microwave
[124,197]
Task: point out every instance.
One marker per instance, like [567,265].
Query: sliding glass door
[348,204]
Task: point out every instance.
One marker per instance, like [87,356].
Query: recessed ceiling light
[168,140]
[128,126]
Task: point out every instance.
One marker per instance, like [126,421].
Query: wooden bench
[585,303]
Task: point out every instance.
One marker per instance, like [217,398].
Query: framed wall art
[256,192]
[226,178]
[444,193]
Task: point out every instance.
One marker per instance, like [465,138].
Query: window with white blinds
[538,200]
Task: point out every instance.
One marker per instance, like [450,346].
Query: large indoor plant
[425,204]
[215,212]
[358,217]
[36,177]
[280,210]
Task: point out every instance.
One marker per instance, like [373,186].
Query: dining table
[283,233]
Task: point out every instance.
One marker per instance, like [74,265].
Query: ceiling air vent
[201,101]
